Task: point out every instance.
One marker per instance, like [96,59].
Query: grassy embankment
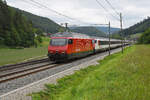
[11,56]
[117,77]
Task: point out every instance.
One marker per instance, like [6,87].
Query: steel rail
[38,69]
[23,64]
[21,71]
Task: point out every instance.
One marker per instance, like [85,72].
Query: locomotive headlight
[63,52]
[51,51]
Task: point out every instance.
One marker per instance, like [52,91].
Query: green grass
[137,35]
[11,56]
[117,77]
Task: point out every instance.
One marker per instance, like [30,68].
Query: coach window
[98,42]
[70,41]
[102,42]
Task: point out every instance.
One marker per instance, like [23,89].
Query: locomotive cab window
[95,41]
[58,42]
[70,41]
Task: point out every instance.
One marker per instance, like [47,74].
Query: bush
[145,38]
[1,41]
[39,38]
[35,43]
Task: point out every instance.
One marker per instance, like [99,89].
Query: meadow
[15,55]
[117,77]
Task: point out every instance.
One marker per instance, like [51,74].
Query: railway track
[11,72]
[23,73]
[13,66]
[15,71]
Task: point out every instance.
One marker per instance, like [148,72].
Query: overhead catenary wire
[28,2]
[112,7]
[44,6]
[99,3]
[51,9]
[38,4]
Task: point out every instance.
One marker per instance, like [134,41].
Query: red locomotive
[64,46]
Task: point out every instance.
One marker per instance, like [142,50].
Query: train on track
[68,45]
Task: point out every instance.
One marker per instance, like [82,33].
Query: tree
[61,29]
[145,38]
[15,36]
[15,29]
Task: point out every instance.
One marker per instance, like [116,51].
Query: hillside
[137,28]
[92,31]
[15,29]
[105,29]
[145,37]
[42,23]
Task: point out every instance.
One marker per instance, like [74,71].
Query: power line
[56,11]
[30,2]
[112,7]
[37,4]
[51,10]
[107,10]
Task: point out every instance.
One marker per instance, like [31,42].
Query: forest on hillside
[15,29]
[105,29]
[42,23]
[136,29]
[91,31]
[140,27]
[145,37]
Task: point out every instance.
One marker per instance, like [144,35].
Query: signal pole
[66,25]
[109,38]
[121,31]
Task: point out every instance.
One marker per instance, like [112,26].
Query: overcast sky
[86,12]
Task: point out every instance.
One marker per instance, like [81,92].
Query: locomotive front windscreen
[58,42]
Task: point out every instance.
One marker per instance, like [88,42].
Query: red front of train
[64,48]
